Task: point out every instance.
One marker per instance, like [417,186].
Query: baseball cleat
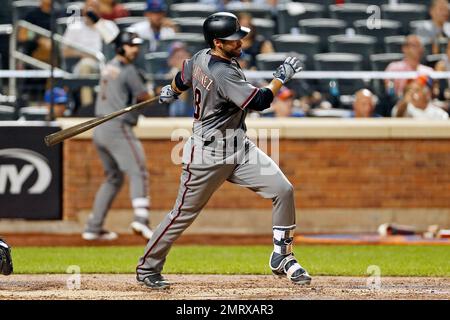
[102,235]
[141,229]
[287,265]
[6,264]
[155,281]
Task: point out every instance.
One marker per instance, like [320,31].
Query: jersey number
[197,102]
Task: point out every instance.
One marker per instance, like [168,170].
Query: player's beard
[235,53]
[131,57]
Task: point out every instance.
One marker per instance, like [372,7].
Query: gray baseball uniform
[218,151]
[119,149]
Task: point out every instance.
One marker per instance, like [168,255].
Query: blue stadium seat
[358,44]
[289,14]
[323,28]
[193,9]
[308,45]
[271,61]
[189,24]
[404,13]
[255,9]
[156,62]
[387,28]
[339,62]
[7,113]
[349,12]
[193,41]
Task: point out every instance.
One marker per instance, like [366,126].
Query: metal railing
[17,55]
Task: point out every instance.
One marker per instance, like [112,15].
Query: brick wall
[326,173]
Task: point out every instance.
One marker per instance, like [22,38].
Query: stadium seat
[333,61]
[326,4]
[349,12]
[339,62]
[256,10]
[370,2]
[136,9]
[140,60]
[156,62]
[22,8]
[414,25]
[443,43]
[393,44]
[193,9]
[323,28]
[6,13]
[7,113]
[125,22]
[189,24]
[264,27]
[358,44]
[61,24]
[271,61]
[432,59]
[34,113]
[404,13]
[5,33]
[289,14]
[380,62]
[193,41]
[109,51]
[387,28]
[308,45]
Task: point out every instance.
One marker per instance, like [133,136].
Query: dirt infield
[70,240]
[213,287]
[75,240]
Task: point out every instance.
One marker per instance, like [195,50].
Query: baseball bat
[70,132]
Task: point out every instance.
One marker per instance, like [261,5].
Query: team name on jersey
[202,78]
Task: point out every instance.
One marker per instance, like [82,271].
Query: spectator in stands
[111,10]
[157,26]
[416,102]
[83,33]
[438,27]
[34,45]
[254,43]
[444,84]
[283,105]
[413,51]
[177,54]
[59,102]
[364,104]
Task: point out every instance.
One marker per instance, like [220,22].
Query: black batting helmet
[126,37]
[223,26]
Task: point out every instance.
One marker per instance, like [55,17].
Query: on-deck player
[219,150]
[119,149]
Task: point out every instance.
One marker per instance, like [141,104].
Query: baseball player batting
[222,98]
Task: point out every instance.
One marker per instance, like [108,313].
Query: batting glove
[167,95]
[286,71]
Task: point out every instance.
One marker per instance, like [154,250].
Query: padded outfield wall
[348,175]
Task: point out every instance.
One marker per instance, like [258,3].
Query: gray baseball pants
[199,181]
[121,153]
